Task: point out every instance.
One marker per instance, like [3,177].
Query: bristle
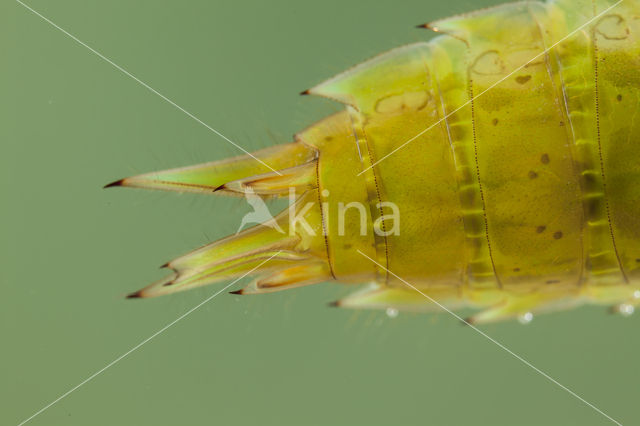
[403,298]
[211,177]
[303,273]
[115,183]
[258,250]
[299,179]
[365,84]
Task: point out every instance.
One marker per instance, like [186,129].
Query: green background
[70,122]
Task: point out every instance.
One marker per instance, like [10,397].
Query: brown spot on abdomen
[544,159]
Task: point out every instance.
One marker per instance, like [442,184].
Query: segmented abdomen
[509,148]
[531,162]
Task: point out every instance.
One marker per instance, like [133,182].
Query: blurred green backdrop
[70,250]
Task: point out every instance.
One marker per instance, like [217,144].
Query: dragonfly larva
[496,167]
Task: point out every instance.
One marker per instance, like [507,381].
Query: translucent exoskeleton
[496,167]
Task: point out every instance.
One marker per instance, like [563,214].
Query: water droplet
[325,192]
[525,318]
[626,309]
[392,312]
[636,294]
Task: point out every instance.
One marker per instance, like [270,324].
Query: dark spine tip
[467,321]
[164,265]
[423,26]
[335,304]
[236,292]
[112,184]
[135,295]
[305,93]
[219,188]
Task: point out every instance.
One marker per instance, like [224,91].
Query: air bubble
[626,309]
[525,318]
[392,312]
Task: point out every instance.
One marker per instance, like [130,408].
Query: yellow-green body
[510,146]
